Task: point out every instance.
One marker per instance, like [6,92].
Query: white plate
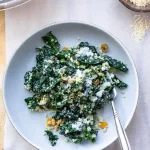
[31,125]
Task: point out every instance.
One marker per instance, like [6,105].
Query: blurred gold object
[2,67]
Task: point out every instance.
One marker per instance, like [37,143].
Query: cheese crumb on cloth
[143,3]
[140,26]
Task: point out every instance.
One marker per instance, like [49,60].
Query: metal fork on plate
[124,142]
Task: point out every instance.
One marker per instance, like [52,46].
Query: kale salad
[75,83]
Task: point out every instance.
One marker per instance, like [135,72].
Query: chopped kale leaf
[52,41]
[52,138]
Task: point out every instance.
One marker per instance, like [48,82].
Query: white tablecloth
[109,14]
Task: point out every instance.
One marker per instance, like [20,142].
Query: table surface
[2,66]
[109,14]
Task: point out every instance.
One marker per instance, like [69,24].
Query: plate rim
[60,23]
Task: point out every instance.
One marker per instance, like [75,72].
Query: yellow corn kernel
[49,122]
[53,122]
[104,48]
[65,48]
[103,125]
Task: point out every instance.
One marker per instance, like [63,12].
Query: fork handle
[124,142]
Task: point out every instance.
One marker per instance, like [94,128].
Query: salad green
[76,82]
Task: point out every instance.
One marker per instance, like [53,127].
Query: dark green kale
[85,60]
[39,102]
[51,41]
[42,83]
[52,138]
[28,81]
[66,53]
[32,102]
[45,84]
[120,84]
[68,113]
[115,63]
[85,132]
[90,135]
[46,51]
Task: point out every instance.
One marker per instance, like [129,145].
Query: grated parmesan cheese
[143,3]
[139,26]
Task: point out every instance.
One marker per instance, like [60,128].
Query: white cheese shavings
[77,126]
[143,3]
[100,93]
[105,85]
[93,135]
[87,120]
[89,80]
[59,103]
[48,61]
[88,128]
[66,131]
[105,66]
[43,101]
[94,98]
[84,51]
[110,75]
[79,73]
[140,26]
[101,119]
[74,140]
[78,76]
[102,88]
[67,85]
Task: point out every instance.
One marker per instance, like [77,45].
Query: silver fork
[124,142]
